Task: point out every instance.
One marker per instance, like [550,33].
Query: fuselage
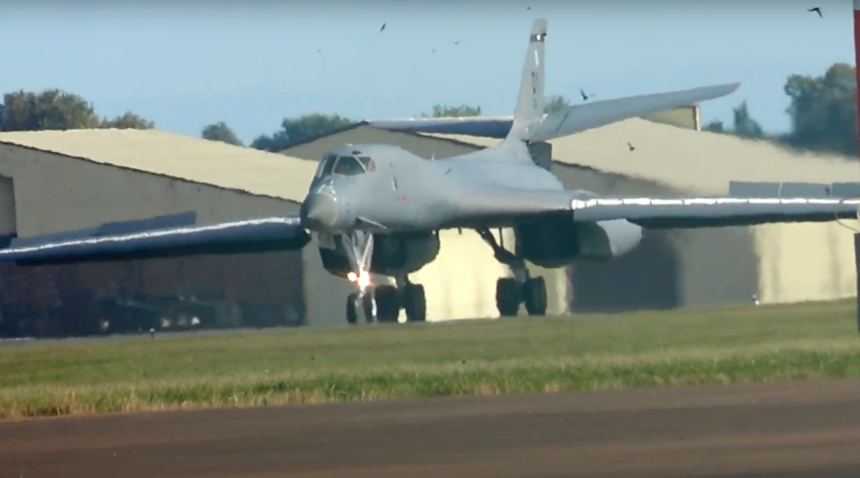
[404,200]
[395,191]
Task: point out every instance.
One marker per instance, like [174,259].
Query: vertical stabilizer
[530,101]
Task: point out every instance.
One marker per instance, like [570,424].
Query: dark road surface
[809,429]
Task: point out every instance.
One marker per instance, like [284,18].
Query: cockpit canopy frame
[345,165]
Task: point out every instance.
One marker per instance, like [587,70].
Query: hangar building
[54,181]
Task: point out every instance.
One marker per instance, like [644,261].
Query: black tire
[415,303]
[534,294]
[387,303]
[351,312]
[367,305]
[507,297]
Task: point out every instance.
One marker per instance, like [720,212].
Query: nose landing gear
[383,302]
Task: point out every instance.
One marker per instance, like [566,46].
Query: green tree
[745,126]
[127,121]
[297,130]
[823,110]
[221,132]
[444,111]
[715,126]
[49,110]
[555,103]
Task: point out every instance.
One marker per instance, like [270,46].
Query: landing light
[363,279]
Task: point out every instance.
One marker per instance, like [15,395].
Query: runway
[771,430]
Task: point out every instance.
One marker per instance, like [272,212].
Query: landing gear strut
[512,291]
[383,302]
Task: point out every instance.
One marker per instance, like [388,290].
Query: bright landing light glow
[363,279]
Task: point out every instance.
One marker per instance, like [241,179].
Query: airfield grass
[243,368]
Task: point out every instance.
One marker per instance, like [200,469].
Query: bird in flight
[816,10]
[528,8]
[630,147]
[584,96]
[457,42]
[383,28]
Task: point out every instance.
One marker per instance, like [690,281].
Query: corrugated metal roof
[178,156]
[687,159]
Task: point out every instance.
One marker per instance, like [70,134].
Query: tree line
[822,110]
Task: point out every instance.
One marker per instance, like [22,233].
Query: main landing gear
[384,302]
[513,291]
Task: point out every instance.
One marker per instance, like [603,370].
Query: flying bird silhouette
[383,28]
[816,10]
[528,8]
[584,96]
[630,147]
[457,42]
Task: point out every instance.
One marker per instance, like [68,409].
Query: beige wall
[683,117]
[805,262]
[420,145]
[55,193]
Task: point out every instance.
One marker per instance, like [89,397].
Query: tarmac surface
[809,429]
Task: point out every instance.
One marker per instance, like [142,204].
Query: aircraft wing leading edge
[578,118]
[251,235]
[687,212]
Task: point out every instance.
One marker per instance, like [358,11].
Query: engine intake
[558,242]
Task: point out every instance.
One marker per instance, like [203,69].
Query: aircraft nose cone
[320,210]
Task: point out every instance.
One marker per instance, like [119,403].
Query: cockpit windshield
[348,166]
[344,165]
[367,163]
[324,169]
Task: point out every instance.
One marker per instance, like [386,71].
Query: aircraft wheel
[387,303]
[351,312]
[534,292]
[507,296]
[367,305]
[415,303]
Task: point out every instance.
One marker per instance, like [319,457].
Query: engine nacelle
[392,253]
[557,243]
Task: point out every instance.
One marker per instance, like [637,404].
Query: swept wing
[123,241]
[695,212]
[505,205]
[571,120]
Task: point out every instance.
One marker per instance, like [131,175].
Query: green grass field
[728,345]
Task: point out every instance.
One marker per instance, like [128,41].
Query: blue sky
[186,64]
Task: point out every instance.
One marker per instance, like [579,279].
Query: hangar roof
[692,160]
[178,156]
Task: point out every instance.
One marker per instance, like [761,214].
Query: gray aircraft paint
[494,187]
